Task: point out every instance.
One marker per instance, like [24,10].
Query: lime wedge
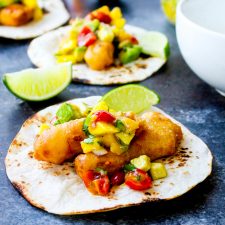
[155,44]
[39,84]
[169,9]
[131,97]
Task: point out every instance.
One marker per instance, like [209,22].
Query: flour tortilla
[55,16]
[42,49]
[57,189]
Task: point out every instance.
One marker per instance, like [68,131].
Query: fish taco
[23,19]
[102,48]
[83,157]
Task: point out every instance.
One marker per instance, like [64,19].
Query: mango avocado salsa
[99,40]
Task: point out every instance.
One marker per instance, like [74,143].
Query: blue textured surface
[183,95]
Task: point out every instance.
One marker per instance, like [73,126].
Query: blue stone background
[183,95]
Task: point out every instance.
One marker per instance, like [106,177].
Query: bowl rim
[180,11]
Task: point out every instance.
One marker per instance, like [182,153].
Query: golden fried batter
[99,55]
[16,15]
[60,143]
[156,137]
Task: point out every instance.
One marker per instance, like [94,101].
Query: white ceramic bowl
[200,30]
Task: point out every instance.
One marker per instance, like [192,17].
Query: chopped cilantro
[129,167]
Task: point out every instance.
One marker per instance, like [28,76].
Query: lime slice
[155,44]
[39,84]
[169,9]
[131,97]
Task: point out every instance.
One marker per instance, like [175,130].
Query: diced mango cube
[43,127]
[30,3]
[119,23]
[66,58]
[116,13]
[104,9]
[158,171]
[125,138]
[123,35]
[142,162]
[102,128]
[117,148]
[100,106]
[130,124]
[90,147]
[67,46]
[108,139]
[116,30]
[38,14]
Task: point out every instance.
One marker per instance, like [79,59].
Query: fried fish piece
[99,55]
[156,137]
[60,143]
[16,15]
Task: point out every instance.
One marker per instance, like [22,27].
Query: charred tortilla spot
[45,11]
[44,119]
[170,161]
[141,66]
[19,187]
[85,81]
[18,143]
[46,165]
[31,154]
[57,173]
[118,75]
[181,164]
[182,152]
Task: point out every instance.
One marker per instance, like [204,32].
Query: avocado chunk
[93,24]
[142,162]
[129,54]
[67,112]
[158,171]
[79,53]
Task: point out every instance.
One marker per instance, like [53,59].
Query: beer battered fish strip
[156,137]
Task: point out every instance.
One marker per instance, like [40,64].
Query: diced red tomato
[104,116]
[134,40]
[96,182]
[102,185]
[117,178]
[138,180]
[86,37]
[101,16]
